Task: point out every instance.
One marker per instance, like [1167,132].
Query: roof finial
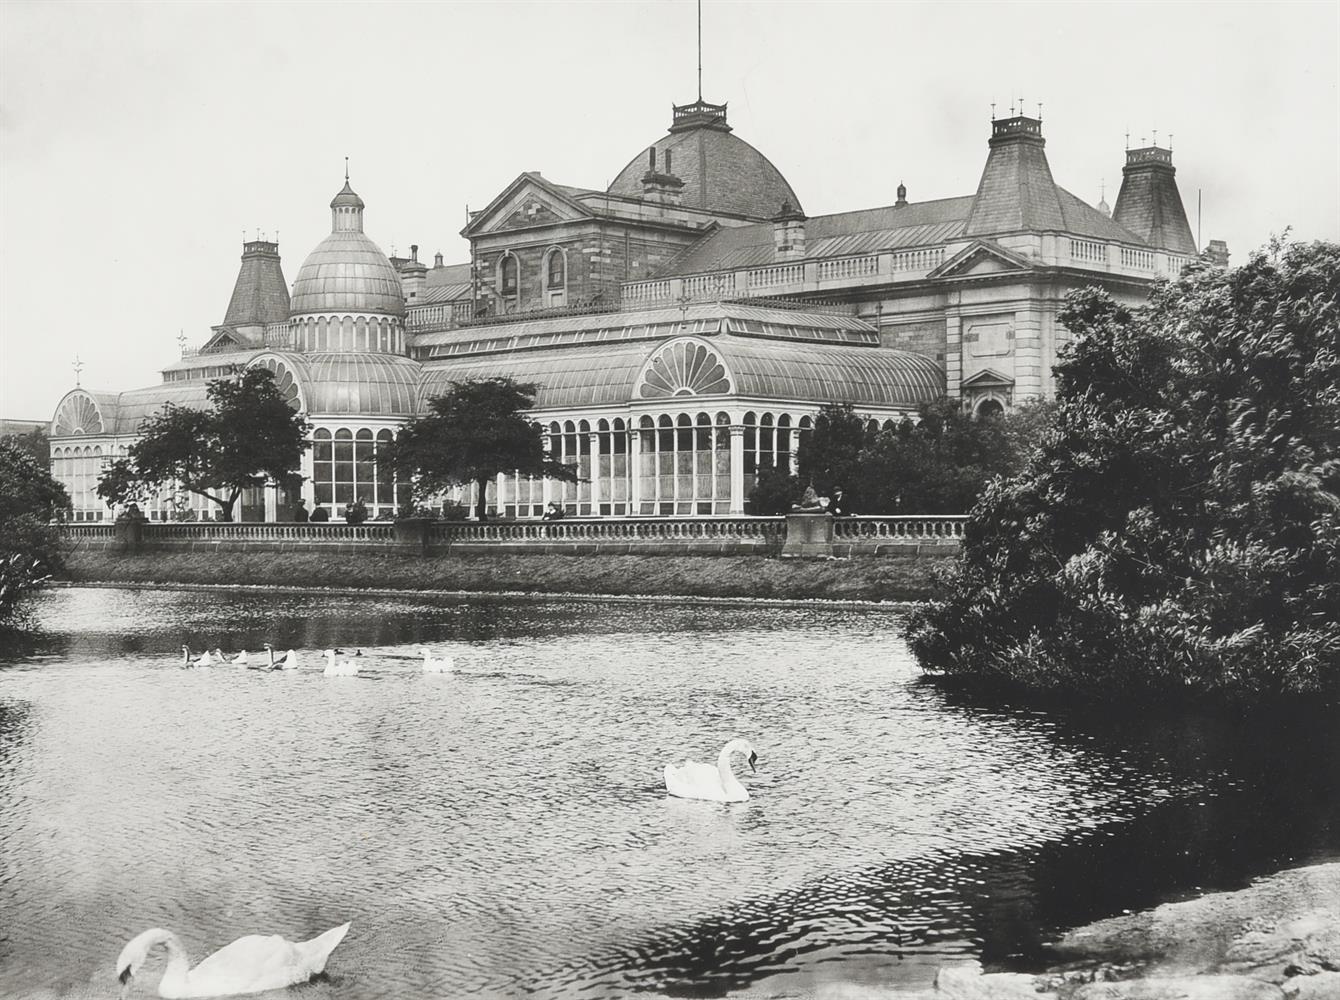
[346,170]
[993,110]
[1170,135]
[1156,137]
[181,341]
[78,367]
[1128,140]
[1039,111]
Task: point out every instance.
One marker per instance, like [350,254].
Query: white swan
[289,662]
[346,669]
[188,661]
[692,780]
[435,665]
[240,660]
[250,964]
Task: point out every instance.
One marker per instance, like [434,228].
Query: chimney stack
[1216,252]
[662,187]
[437,259]
[788,233]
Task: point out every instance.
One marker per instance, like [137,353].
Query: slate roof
[1149,203]
[720,171]
[260,294]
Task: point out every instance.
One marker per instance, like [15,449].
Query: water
[503,831]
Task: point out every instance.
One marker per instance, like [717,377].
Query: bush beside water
[1178,528]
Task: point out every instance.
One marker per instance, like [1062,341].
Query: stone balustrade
[873,535]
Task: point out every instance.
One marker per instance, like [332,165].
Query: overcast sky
[139,141]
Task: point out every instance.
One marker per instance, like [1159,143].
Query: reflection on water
[503,831]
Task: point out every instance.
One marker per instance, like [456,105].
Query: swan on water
[346,669]
[240,660]
[436,665]
[692,780]
[250,964]
[289,662]
[203,660]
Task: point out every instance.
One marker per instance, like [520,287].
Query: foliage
[30,499]
[943,461]
[1179,527]
[775,492]
[35,443]
[473,432]
[830,454]
[356,512]
[248,437]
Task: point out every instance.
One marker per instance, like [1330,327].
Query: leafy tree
[471,433]
[775,491]
[30,499]
[1179,527]
[830,454]
[248,437]
[35,443]
[943,461]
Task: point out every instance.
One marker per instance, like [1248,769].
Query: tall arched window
[555,278]
[507,275]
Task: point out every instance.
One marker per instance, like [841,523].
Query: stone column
[272,503]
[737,469]
[547,484]
[596,490]
[634,471]
[308,469]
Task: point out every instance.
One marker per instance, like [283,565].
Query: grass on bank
[868,579]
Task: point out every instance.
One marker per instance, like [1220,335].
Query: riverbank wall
[894,579]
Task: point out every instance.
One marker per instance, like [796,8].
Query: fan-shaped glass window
[285,381]
[684,368]
[78,414]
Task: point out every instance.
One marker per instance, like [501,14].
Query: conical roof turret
[1016,191]
[1149,203]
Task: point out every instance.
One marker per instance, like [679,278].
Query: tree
[775,492]
[1178,529]
[248,437]
[943,461]
[471,433]
[35,443]
[30,500]
[830,454]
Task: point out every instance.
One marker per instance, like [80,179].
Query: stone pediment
[528,202]
[987,379]
[980,258]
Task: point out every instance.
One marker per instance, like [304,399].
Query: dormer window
[508,275]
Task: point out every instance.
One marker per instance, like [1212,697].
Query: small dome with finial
[347,198]
[1102,202]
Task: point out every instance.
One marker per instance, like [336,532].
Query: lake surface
[504,830]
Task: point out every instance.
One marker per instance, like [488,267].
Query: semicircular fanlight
[78,414]
[285,381]
[684,368]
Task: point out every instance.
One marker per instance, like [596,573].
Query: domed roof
[720,171]
[363,384]
[347,272]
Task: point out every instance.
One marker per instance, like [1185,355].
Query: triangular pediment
[980,258]
[987,379]
[224,338]
[528,202]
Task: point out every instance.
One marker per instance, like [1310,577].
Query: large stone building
[683,325]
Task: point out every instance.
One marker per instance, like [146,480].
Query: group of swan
[289,661]
[216,658]
[251,964]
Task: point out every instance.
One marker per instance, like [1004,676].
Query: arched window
[556,271]
[507,275]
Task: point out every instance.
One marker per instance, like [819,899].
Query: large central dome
[347,273]
[720,172]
